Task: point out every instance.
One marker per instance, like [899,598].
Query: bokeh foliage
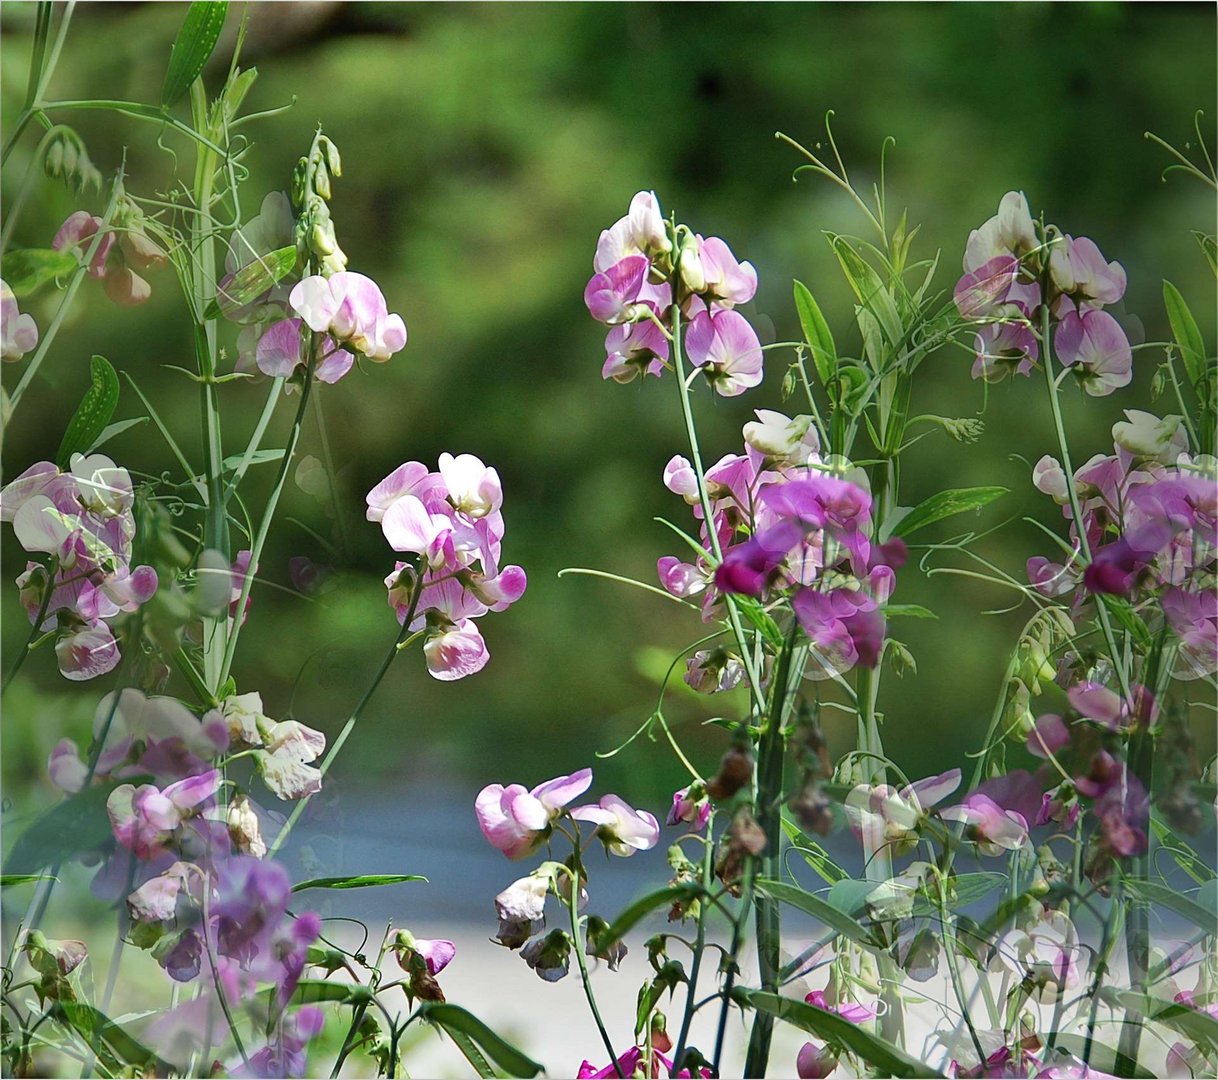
[485,146]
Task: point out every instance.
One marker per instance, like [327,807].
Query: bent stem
[349,726]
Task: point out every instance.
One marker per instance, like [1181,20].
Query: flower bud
[693,277]
[244,829]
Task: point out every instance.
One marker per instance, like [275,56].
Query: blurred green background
[484,147]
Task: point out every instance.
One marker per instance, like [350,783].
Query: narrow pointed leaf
[93,413]
[452,1018]
[103,1035]
[250,282]
[817,334]
[113,430]
[1174,900]
[883,1055]
[363,881]
[820,909]
[644,906]
[192,48]
[946,504]
[1184,330]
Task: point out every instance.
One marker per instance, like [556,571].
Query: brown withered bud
[735,771]
[812,809]
[744,839]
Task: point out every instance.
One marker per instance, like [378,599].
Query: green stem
[349,726]
[577,943]
[36,629]
[708,877]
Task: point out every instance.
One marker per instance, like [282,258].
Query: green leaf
[1104,1059]
[1123,611]
[869,289]
[473,1055]
[888,1059]
[1184,330]
[946,504]
[312,991]
[250,282]
[1198,1026]
[363,881]
[819,909]
[77,824]
[813,853]
[258,457]
[644,906]
[761,619]
[1176,901]
[103,1035]
[93,413]
[452,1018]
[193,46]
[114,430]
[816,334]
[850,896]
[23,879]
[27,270]
[910,611]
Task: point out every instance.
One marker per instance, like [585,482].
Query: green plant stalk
[577,945]
[708,878]
[215,528]
[349,726]
[772,752]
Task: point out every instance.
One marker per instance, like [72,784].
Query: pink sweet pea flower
[350,308]
[87,651]
[634,349]
[1098,703]
[1002,349]
[727,280]
[979,292]
[640,232]
[680,578]
[1009,232]
[144,819]
[18,331]
[516,821]
[847,1010]
[279,354]
[611,294]
[994,829]
[626,1065]
[622,829]
[693,811]
[846,627]
[725,346]
[77,232]
[455,650]
[1078,269]
[814,1062]
[887,816]
[1193,617]
[1093,343]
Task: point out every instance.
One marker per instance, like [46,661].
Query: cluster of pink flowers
[192,871]
[18,331]
[450,524]
[787,528]
[1150,517]
[519,822]
[346,310]
[82,523]
[1011,268]
[119,257]
[642,268]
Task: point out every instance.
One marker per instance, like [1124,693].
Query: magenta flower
[516,820]
[626,1065]
[680,578]
[1080,271]
[1193,617]
[727,281]
[752,567]
[280,354]
[847,1010]
[1048,736]
[1009,232]
[992,828]
[287,1054]
[145,819]
[693,811]
[814,1062]
[351,309]
[635,350]
[979,292]
[18,331]
[640,232]
[712,671]
[725,346]
[622,829]
[610,294]
[846,627]
[1093,343]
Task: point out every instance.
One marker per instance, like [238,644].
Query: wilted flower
[521,909]
[549,956]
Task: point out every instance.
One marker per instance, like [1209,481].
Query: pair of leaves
[890,1060]
[477,1041]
